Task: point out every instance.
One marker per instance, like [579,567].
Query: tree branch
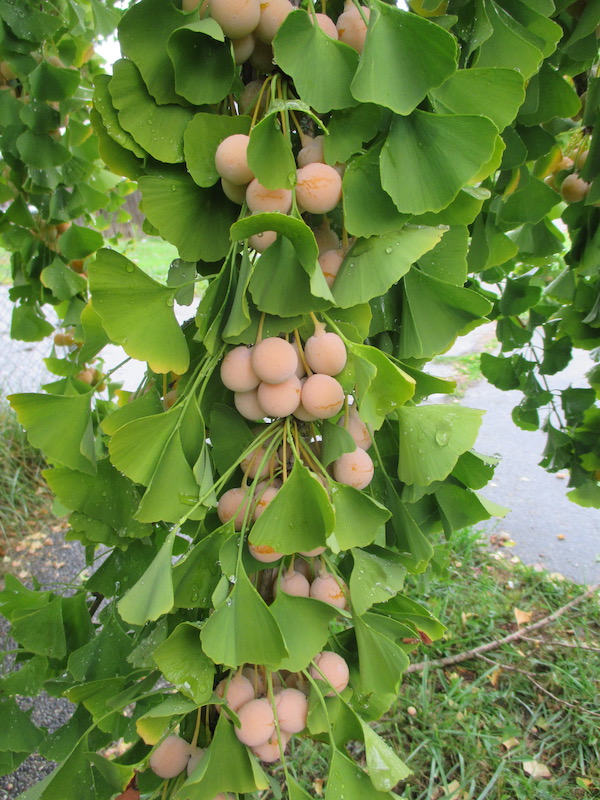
[493,645]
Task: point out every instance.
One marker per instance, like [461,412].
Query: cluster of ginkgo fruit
[269,712]
[275,379]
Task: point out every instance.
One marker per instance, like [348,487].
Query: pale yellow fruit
[259,198]
[574,188]
[281,399]
[263,500]
[356,428]
[272,14]
[247,405]
[170,757]
[333,668]
[322,396]
[326,24]
[325,352]
[232,505]
[294,583]
[257,722]
[264,553]
[312,150]
[243,48]
[270,752]
[237,18]
[256,464]
[329,589]
[292,710]
[196,756]
[231,159]
[234,192]
[351,28]
[260,241]
[318,188]
[354,469]
[327,239]
[236,370]
[274,360]
[236,692]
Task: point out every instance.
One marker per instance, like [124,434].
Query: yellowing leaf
[522,617]
[495,677]
[508,744]
[536,770]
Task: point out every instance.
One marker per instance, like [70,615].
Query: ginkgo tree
[351,189]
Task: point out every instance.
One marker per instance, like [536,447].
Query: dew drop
[388,250]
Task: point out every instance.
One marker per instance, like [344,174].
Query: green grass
[449,724]
[23,493]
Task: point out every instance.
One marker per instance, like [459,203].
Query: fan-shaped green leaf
[202,61]
[183,662]
[157,129]
[431,440]
[494,92]
[381,387]
[195,220]
[326,85]
[152,595]
[428,158]
[358,518]
[298,518]
[373,265]
[434,313]
[144,31]
[52,83]
[243,630]
[303,641]
[110,118]
[296,230]
[137,312]
[41,150]
[61,427]
[378,574]
[405,56]
[349,129]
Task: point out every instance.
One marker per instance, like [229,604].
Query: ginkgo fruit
[231,159]
[351,27]
[356,428]
[574,188]
[322,396]
[329,589]
[235,691]
[196,754]
[294,583]
[272,14]
[259,198]
[354,469]
[243,48]
[281,399]
[327,239]
[232,505]
[170,757]
[233,191]
[291,708]
[263,499]
[237,18]
[325,352]
[236,370]
[247,404]
[270,751]
[256,463]
[318,188]
[333,668]
[330,262]
[264,553]
[312,150]
[260,241]
[257,722]
[327,25]
[274,360]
